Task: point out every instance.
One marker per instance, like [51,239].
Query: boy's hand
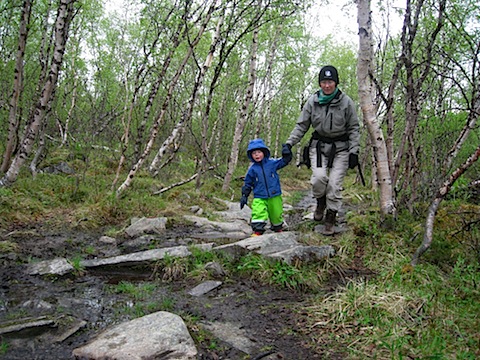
[243,201]
[287,152]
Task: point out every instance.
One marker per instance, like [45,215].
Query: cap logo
[328,73]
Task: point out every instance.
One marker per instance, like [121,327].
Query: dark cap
[328,73]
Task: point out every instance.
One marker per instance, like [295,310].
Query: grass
[399,312]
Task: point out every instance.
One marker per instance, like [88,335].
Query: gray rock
[160,335]
[204,288]
[147,226]
[215,269]
[265,244]
[58,266]
[304,254]
[27,324]
[231,334]
[108,240]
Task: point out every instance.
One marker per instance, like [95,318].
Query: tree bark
[364,66]
[62,24]
[13,119]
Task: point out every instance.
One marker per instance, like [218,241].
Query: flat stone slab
[265,244]
[143,256]
[161,335]
[204,288]
[58,266]
[233,335]
[147,226]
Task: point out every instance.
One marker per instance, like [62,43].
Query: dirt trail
[271,317]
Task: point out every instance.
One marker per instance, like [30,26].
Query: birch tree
[365,92]
[62,23]
[13,116]
[166,102]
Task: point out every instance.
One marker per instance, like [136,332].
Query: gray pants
[327,181]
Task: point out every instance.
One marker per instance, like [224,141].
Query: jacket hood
[257,144]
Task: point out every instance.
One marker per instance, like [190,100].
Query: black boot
[330,222]
[321,204]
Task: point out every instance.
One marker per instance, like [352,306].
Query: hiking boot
[330,223]
[321,204]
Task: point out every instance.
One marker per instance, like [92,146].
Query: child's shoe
[257,233]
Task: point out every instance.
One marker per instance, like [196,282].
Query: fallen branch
[183,182]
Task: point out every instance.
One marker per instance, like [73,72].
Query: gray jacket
[338,119]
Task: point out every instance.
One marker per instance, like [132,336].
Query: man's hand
[352,161]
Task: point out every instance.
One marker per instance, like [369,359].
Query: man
[334,145]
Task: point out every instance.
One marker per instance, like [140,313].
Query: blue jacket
[262,176]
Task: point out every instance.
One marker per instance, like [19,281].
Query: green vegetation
[3,347]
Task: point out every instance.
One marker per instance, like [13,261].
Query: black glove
[244,199]
[352,161]
[287,152]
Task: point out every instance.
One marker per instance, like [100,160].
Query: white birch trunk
[158,121]
[365,60]
[173,142]
[62,23]
[13,120]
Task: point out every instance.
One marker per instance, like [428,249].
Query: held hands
[352,161]
[287,152]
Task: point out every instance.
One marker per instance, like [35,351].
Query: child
[263,179]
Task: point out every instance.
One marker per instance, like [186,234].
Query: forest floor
[272,317]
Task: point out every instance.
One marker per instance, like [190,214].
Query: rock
[160,335]
[231,334]
[147,226]
[58,266]
[304,254]
[204,288]
[231,229]
[143,256]
[215,269]
[60,168]
[108,240]
[265,244]
[30,326]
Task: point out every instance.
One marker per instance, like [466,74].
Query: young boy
[263,179]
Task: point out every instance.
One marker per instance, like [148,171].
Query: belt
[327,140]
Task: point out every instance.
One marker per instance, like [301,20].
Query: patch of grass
[278,273]
[8,247]
[3,347]
[135,291]
[76,262]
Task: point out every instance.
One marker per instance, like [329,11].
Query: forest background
[162,97]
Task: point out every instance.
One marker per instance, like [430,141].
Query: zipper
[266,182]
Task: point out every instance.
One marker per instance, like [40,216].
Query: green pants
[267,209]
